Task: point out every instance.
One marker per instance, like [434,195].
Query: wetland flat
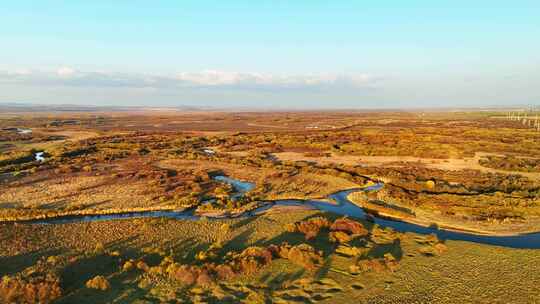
[381,207]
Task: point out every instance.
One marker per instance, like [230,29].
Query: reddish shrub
[350,226]
[302,254]
[339,237]
[390,262]
[98,282]
[379,265]
[19,291]
[320,221]
[273,249]
[433,249]
[183,273]
[128,265]
[252,259]
[372,265]
[142,266]
[204,278]
[224,272]
[262,255]
[248,265]
[308,229]
[290,227]
[440,248]
[311,227]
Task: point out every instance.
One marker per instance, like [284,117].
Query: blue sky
[346,54]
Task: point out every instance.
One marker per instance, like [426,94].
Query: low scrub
[387,263]
[310,228]
[349,226]
[16,290]
[98,282]
[303,255]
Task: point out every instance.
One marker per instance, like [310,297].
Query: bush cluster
[98,282]
[310,227]
[37,290]
[341,230]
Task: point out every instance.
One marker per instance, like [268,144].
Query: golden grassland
[161,169]
[77,253]
[463,170]
[464,216]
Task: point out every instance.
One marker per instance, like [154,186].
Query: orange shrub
[224,272]
[142,266]
[183,273]
[248,265]
[19,291]
[204,278]
[128,266]
[339,237]
[350,226]
[310,228]
[372,265]
[302,254]
[251,259]
[98,282]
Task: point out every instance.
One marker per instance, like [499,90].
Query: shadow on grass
[280,278]
[123,289]
[14,264]
[323,270]
[238,243]
[75,275]
[394,248]
[244,222]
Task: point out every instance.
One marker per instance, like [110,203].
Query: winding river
[342,206]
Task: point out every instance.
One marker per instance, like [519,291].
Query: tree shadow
[76,274]
[14,264]
[323,270]
[10,205]
[394,248]
[59,204]
[244,222]
[124,289]
[33,181]
[185,251]
[92,205]
[277,280]
[237,243]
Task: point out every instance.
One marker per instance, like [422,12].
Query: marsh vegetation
[468,171]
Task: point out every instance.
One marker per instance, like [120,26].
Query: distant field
[470,171]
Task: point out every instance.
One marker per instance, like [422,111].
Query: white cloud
[65,72]
[212,78]
[257,80]
[22,71]
[208,79]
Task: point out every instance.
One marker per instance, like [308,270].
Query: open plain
[318,207]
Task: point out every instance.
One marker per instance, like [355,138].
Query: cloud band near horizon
[70,77]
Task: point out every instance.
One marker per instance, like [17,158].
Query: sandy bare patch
[451,164]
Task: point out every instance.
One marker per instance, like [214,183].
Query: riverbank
[88,213]
[464,271]
[342,206]
[425,219]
